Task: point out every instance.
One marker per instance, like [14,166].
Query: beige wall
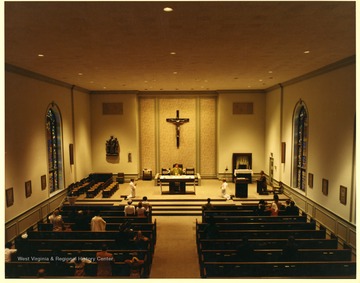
[123,127]
[26,102]
[241,133]
[330,100]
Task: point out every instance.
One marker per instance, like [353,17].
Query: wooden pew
[274,255]
[316,269]
[263,226]
[267,234]
[230,244]
[60,270]
[252,218]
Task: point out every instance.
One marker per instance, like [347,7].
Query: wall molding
[335,225]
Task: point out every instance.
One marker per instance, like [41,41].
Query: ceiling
[218,45]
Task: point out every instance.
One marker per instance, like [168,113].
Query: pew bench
[230,244]
[340,269]
[252,218]
[263,226]
[273,255]
[267,234]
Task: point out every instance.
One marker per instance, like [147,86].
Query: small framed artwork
[325,187]
[43,182]
[343,194]
[28,189]
[9,197]
[311,180]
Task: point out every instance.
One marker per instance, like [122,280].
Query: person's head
[292,203]
[176,165]
[8,245]
[262,172]
[209,200]
[145,198]
[287,202]
[276,197]
[132,180]
[140,204]
[56,212]
[224,180]
[129,202]
[41,273]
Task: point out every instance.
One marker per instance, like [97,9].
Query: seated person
[176,170]
[292,209]
[262,183]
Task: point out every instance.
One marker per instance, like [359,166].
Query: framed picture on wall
[311,180]
[9,197]
[43,182]
[343,192]
[325,187]
[28,189]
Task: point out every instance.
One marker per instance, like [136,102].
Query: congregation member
[135,266]
[56,220]
[208,205]
[275,206]
[140,210]
[98,224]
[129,209]
[105,262]
[292,209]
[146,203]
[79,264]
[9,251]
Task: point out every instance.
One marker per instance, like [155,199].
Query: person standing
[98,224]
[275,206]
[132,186]
[224,187]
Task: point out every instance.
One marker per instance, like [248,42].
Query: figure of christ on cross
[177,122]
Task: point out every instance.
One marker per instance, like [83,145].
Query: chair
[165,171]
[120,178]
[190,171]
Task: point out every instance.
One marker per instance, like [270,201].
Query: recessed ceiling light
[104,87]
[80,74]
[307,51]
[260,80]
[173,53]
[41,55]
[175,73]
[270,72]
[168,9]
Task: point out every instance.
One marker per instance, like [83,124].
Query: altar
[177,183]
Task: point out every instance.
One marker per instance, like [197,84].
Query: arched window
[300,137]
[54,148]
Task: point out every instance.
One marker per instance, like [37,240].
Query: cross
[177,122]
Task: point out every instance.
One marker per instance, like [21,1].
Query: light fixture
[307,52]
[41,55]
[168,9]
[173,53]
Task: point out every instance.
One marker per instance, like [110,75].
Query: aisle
[175,252]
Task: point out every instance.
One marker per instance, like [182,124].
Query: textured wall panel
[169,153]
[208,136]
[147,134]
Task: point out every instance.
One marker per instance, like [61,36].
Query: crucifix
[177,122]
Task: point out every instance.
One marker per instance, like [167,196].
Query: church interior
[178,98]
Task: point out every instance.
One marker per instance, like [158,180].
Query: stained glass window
[53,137]
[300,147]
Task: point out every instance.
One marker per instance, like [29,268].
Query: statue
[112,146]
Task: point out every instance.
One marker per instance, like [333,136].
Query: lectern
[241,187]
